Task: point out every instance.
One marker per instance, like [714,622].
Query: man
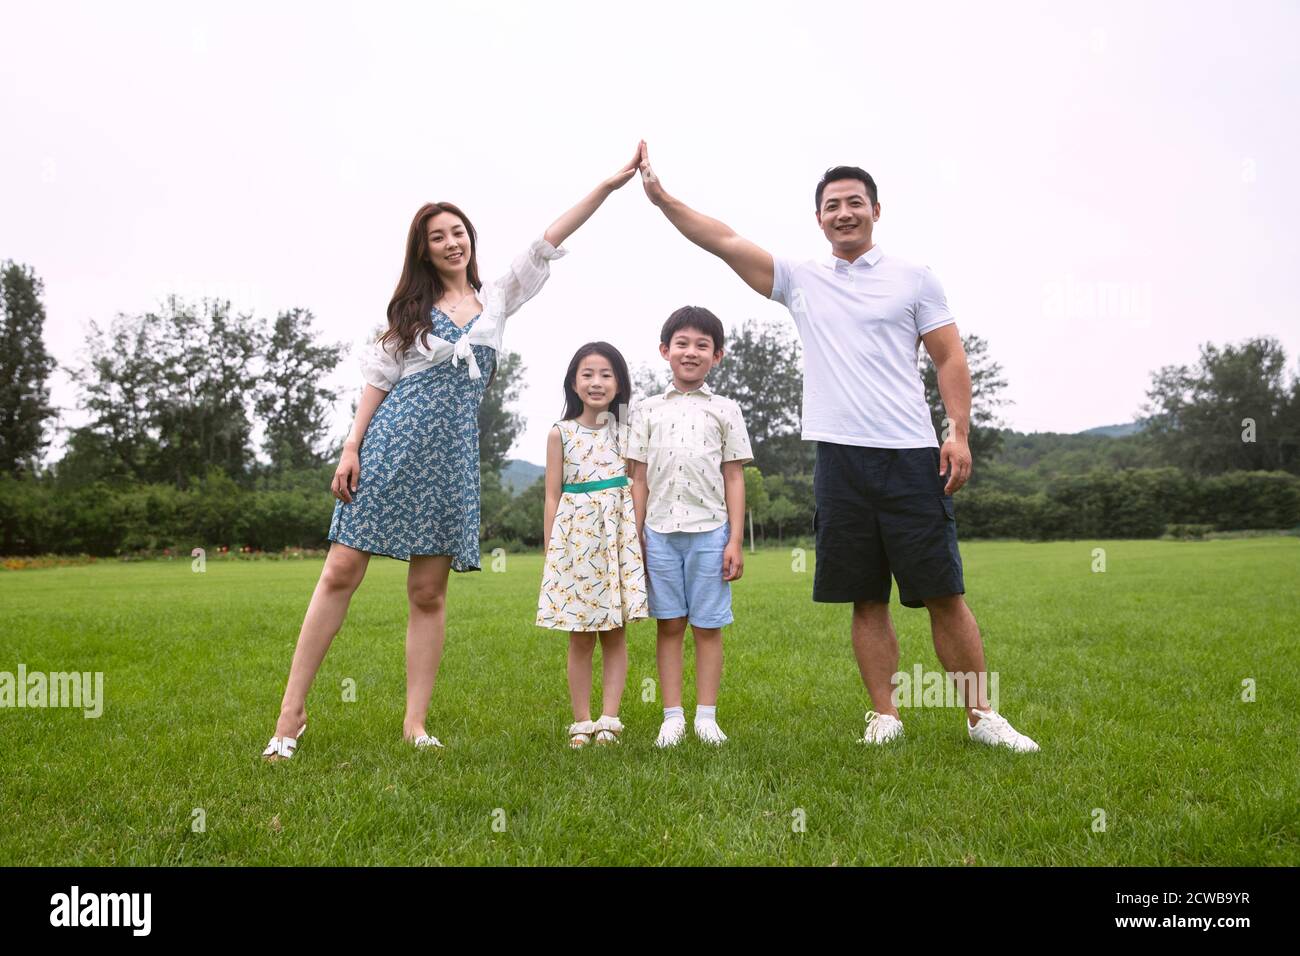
[883,484]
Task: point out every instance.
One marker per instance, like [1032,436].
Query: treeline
[205,427]
[293,512]
[174,394]
[1132,503]
[211,428]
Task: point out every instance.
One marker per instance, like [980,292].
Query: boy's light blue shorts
[684,575]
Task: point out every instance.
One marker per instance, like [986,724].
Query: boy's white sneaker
[881,728]
[671,732]
[994,730]
[709,732]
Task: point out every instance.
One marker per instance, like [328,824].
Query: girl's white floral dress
[594,577]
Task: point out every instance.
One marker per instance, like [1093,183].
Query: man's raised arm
[747,260]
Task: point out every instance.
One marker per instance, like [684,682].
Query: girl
[408,483]
[593,580]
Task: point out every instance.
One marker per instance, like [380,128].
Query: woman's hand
[621,177]
[346,475]
[568,222]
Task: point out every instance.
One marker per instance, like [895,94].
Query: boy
[687,449]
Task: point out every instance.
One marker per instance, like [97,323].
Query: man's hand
[654,189]
[954,457]
[733,561]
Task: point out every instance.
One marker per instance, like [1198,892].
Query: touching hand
[654,189]
[955,458]
[621,177]
[346,475]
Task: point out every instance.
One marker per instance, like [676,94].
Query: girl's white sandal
[608,729]
[580,732]
[282,748]
[424,740]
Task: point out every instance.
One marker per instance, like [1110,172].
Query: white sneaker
[671,732]
[994,730]
[881,728]
[709,732]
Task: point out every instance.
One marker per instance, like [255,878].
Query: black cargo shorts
[882,512]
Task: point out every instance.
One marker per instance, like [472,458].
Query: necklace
[458,304]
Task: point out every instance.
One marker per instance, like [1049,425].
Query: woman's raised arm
[569,222]
[532,267]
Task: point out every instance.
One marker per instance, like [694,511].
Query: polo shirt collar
[868,258]
[674,390]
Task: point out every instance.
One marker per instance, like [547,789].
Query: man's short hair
[694,317]
[847,172]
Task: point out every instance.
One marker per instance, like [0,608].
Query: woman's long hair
[623,395]
[411,309]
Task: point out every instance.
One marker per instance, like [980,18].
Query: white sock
[677,712]
[703,713]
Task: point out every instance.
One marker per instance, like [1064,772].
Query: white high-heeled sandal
[282,748]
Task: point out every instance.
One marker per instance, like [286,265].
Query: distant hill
[1048,454]
[1113,431]
[518,474]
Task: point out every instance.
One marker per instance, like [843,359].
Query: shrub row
[37,517]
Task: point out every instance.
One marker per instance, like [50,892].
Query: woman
[407,484]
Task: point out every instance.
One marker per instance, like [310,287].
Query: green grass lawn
[1131,681]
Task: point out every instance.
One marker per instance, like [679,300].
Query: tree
[522,520]
[1231,410]
[202,397]
[290,401]
[986,385]
[498,423]
[171,392]
[755,497]
[25,368]
[1289,428]
[115,387]
[761,372]
[648,380]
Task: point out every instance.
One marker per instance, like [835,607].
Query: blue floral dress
[418,492]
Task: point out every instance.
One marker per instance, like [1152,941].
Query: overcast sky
[1099,187]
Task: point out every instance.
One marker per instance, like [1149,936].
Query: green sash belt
[582,486]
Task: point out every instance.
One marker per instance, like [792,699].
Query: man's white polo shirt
[861,324]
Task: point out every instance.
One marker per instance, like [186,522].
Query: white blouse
[501,298]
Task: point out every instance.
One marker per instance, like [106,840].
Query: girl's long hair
[573,404]
[410,311]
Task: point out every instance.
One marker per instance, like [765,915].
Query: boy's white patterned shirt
[684,438]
